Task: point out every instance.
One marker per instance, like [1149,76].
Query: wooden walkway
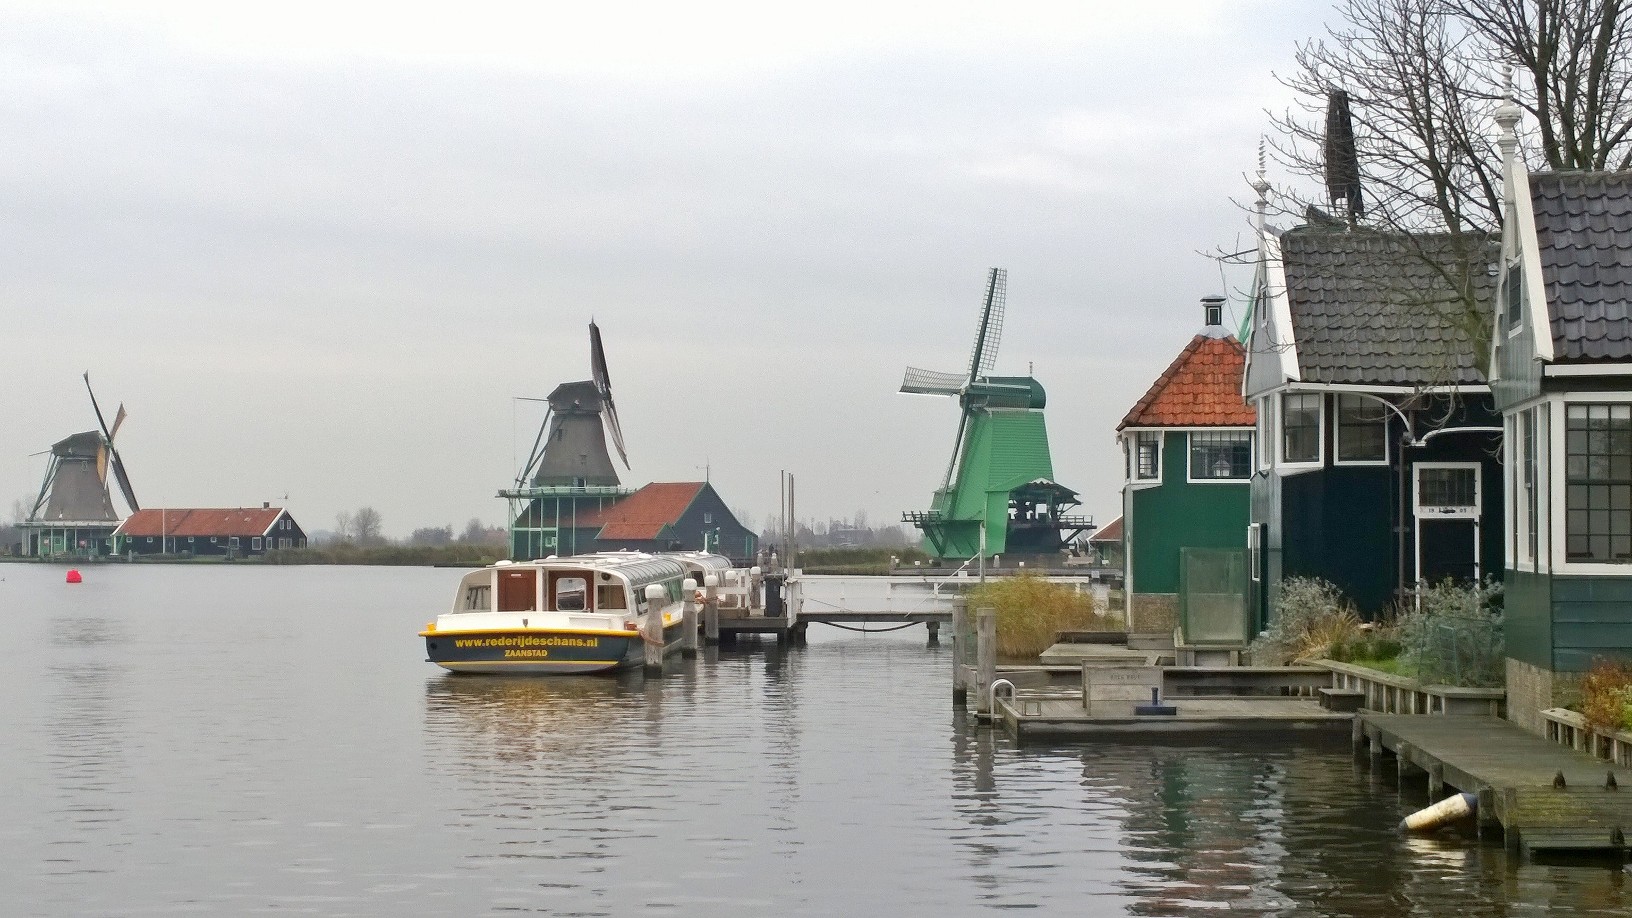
[1513,773]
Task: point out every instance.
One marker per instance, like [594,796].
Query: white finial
[1507,118]
[1262,184]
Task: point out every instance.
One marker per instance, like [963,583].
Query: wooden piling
[960,625]
[688,618]
[985,658]
[934,633]
[652,634]
[1436,781]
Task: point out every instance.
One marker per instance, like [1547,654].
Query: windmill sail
[603,385]
[113,454]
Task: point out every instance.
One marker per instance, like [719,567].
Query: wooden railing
[1386,693]
[1568,728]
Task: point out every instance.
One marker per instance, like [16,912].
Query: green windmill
[999,496]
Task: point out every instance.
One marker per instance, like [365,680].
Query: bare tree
[1425,76]
[367,526]
[345,528]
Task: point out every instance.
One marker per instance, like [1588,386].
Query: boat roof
[634,565]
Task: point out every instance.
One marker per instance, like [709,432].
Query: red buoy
[73,575]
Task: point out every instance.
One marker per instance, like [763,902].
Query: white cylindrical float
[1452,808]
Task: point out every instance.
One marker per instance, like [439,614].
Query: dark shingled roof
[1584,233]
[1372,308]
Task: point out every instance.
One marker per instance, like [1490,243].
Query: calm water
[245,741]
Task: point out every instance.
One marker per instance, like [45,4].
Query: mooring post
[756,586]
[652,634]
[711,624]
[985,658]
[688,617]
[934,633]
[960,649]
[711,607]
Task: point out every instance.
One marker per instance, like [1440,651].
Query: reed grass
[1032,611]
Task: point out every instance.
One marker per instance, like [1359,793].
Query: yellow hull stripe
[454,664]
[595,632]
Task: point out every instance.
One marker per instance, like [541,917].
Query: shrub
[1606,696]
[1032,610]
[1312,619]
[1451,634]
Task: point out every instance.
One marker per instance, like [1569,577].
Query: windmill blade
[107,441]
[931,382]
[603,386]
[537,452]
[102,463]
[989,333]
[118,419]
[124,482]
[45,486]
[957,449]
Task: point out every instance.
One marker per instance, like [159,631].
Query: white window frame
[1337,428]
[1255,552]
[1134,478]
[1301,465]
[1189,446]
[1556,537]
[255,544]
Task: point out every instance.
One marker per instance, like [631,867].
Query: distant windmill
[73,505]
[570,449]
[569,476]
[1342,158]
[1000,476]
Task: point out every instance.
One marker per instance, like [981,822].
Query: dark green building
[1561,370]
[1378,467]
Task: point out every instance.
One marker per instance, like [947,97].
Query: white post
[688,614]
[652,633]
[756,584]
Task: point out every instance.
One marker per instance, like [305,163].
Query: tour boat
[577,614]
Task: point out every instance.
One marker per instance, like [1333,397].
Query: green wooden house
[1188,446]
[1561,372]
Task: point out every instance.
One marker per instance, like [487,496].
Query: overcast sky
[318,248]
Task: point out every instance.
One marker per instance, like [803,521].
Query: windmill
[570,449]
[569,473]
[998,494]
[74,509]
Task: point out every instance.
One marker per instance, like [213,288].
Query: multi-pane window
[1448,487]
[1147,455]
[1220,454]
[1300,427]
[1598,483]
[1362,429]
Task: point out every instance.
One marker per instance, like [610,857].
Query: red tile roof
[185,522]
[1110,532]
[643,514]
[1200,388]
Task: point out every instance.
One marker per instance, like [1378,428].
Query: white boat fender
[1452,808]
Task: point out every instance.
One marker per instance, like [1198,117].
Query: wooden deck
[1062,715]
[1513,773]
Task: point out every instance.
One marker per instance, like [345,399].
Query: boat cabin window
[476,598]
[609,596]
[569,594]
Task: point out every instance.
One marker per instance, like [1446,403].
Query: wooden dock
[1061,716]
[1513,773]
